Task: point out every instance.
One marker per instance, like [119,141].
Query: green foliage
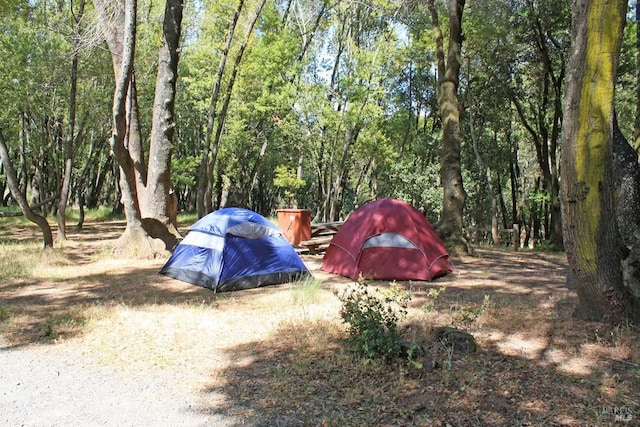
[373,317]
[468,314]
[430,299]
[539,196]
[287,180]
[34,66]
[359,108]
[183,171]
[627,73]
[412,352]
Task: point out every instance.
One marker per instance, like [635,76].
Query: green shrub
[372,317]
[431,298]
[468,314]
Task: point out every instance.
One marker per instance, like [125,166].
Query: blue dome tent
[233,249]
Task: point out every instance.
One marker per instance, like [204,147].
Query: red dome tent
[387,239]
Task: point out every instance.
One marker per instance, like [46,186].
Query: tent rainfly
[233,249]
[387,239]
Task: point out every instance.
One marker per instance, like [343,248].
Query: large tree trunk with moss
[597,210]
[449,226]
[636,128]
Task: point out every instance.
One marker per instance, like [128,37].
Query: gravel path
[53,386]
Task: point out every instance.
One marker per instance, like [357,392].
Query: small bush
[468,314]
[431,298]
[373,316]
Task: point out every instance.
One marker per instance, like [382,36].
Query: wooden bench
[483,235]
[325,228]
[321,235]
[316,244]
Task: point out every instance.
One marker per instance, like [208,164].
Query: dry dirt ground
[89,340]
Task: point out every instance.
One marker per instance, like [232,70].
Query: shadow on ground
[536,364]
[295,379]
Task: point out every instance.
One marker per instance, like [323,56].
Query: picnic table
[321,235]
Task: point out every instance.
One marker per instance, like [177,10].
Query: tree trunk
[112,18]
[449,225]
[627,206]
[145,191]
[503,205]
[24,142]
[553,83]
[546,155]
[514,175]
[105,165]
[222,117]
[341,174]
[80,222]
[135,241]
[308,39]
[124,73]
[495,236]
[546,136]
[134,137]
[155,205]
[205,184]
[253,176]
[18,196]
[3,187]
[84,179]
[592,234]
[636,130]
[69,140]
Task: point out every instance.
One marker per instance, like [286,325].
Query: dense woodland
[340,94]
[277,103]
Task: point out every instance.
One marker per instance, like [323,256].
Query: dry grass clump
[28,260]
[154,335]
